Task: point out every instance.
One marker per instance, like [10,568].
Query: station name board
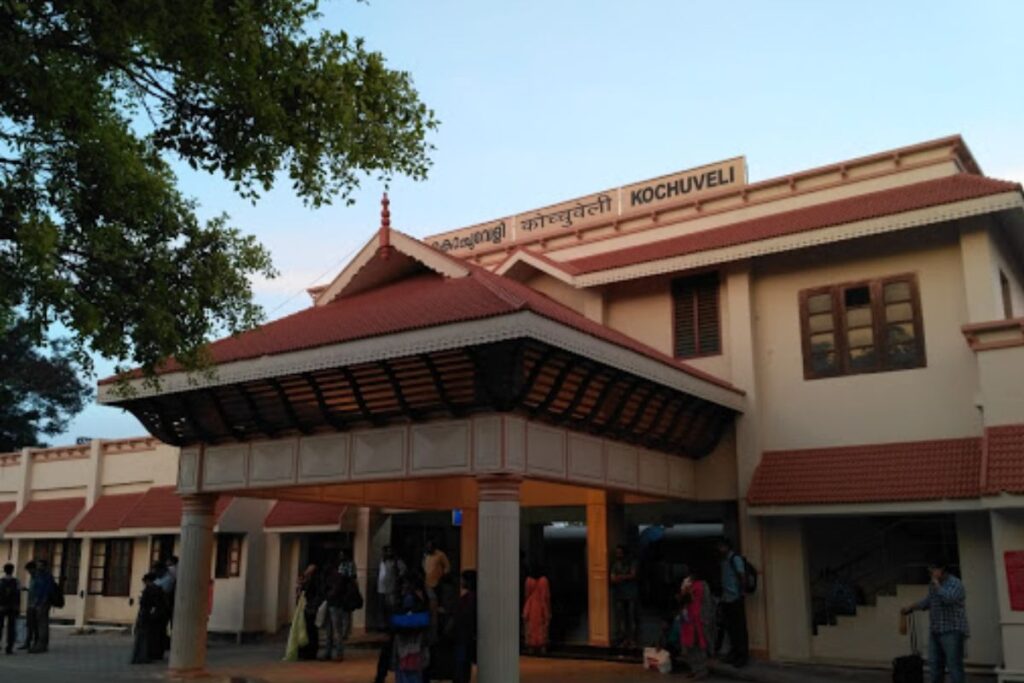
[594,209]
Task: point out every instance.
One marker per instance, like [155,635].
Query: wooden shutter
[696,321]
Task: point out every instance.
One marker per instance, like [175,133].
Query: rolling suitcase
[909,668]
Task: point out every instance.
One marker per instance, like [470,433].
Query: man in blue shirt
[947,617]
[625,594]
[40,599]
[733,605]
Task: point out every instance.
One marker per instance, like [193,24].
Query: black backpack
[9,596]
[56,595]
[749,575]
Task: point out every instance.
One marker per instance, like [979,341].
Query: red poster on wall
[1014,560]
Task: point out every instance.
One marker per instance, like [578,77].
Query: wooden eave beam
[286,406]
[222,415]
[257,416]
[329,417]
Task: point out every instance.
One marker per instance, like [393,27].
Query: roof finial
[385,221]
[384,240]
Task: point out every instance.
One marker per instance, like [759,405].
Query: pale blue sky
[541,101]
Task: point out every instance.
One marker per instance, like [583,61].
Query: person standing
[947,618]
[309,588]
[537,611]
[625,593]
[733,604]
[391,571]
[339,585]
[435,565]
[692,637]
[10,604]
[464,621]
[150,624]
[40,599]
[31,630]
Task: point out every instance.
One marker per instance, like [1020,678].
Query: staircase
[872,636]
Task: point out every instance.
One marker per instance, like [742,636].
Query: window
[1004,288]
[862,327]
[161,549]
[695,316]
[110,567]
[229,556]
[63,558]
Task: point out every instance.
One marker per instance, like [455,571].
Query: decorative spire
[385,222]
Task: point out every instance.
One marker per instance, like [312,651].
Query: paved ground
[103,657]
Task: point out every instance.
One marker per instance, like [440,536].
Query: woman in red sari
[692,641]
[537,612]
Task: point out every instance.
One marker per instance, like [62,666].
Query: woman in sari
[537,612]
[150,624]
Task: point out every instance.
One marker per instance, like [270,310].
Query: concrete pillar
[191,598]
[741,335]
[498,584]
[366,555]
[598,554]
[24,479]
[788,589]
[977,569]
[468,537]
[82,608]
[273,559]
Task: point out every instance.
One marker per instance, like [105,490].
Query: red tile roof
[160,508]
[6,510]
[46,516]
[109,512]
[418,302]
[289,513]
[873,205]
[910,471]
[1005,459]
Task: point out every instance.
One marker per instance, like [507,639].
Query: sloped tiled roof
[6,510]
[290,513]
[109,512]
[160,508]
[46,516]
[1005,459]
[417,302]
[922,195]
[893,472]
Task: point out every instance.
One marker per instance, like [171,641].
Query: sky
[545,101]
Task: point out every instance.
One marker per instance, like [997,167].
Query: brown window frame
[229,556]
[693,283]
[161,548]
[65,568]
[104,579]
[876,288]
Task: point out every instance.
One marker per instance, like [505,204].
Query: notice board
[1014,560]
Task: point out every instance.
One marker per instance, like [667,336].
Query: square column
[598,609]
[498,580]
[468,534]
[192,594]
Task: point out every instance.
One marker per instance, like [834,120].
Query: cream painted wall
[59,474]
[1010,264]
[157,467]
[565,294]
[643,310]
[1008,535]
[787,590]
[977,567]
[715,474]
[933,402]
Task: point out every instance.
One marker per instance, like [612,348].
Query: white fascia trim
[347,273]
[831,509]
[872,226]
[311,529]
[153,531]
[44,535]
[440,338]
[118,533]
[403,244]
[541,265]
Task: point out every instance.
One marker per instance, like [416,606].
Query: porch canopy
[417,379]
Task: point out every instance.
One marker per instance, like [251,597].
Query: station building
[826,366]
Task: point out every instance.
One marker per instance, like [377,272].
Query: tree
[38,393]
[97,95]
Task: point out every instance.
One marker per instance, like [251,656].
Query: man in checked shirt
[948,620]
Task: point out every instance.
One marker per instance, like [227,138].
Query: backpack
[749,573]
[353,599]
[9,596]
[56,595]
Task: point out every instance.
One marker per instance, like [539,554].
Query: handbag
[656,659]
[321,615]
[909,668]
